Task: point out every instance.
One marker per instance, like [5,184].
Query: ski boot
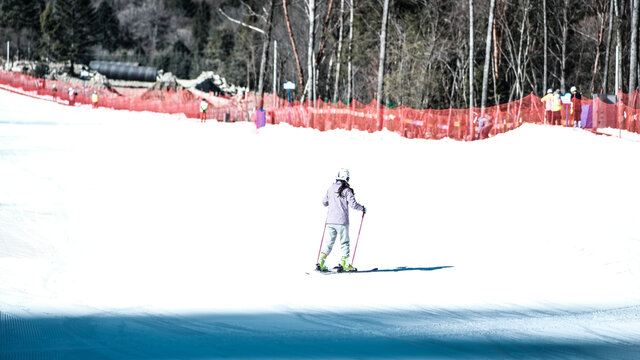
[321,266]
[344,267]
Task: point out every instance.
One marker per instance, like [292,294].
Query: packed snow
[129,235]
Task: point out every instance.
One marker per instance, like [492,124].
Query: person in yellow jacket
[204,106]
[553,107]
[94,99]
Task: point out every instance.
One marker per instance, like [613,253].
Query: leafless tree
[633,51]
[383,41]
[487,56]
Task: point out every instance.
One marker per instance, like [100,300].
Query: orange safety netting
[411,123]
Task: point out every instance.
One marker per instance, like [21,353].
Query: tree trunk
[323,36]
[618,81]
[311,13]
[544,25]
[565,33]
[293,45]
[265,54]
[487,57]
[597,60]
[383,40]
[633,51]
[471,68]
[605,77]
[349,66]
[339,54]
[521,62]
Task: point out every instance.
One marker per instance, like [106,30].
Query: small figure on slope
[204,106]
[339,197]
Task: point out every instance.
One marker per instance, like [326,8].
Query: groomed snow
[130,235]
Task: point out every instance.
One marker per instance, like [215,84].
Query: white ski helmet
[573,89]
[343,174]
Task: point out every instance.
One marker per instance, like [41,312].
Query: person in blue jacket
[339,197]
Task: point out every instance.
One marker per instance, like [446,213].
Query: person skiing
[339,197]
[204,106]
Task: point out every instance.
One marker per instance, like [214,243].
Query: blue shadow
[435,334]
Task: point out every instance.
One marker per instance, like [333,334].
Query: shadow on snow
[420,334]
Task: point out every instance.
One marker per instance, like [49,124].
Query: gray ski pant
[335,230]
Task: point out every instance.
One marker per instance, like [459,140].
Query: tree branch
[241,23]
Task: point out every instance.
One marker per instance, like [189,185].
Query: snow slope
[144,236]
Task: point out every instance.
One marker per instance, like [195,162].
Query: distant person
[566,107]
[204,106]
[94,99]
[548,105]
[556,108]
[54,91]
[72,96]
[576,106]
[339,197]
[485,124]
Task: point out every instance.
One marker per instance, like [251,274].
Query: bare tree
[545,46]
[267,18]
[565,32]
[311,14]
[600,21]
[633,51]
[487,56]
[338,53]
[608,48]
[470,67]
[618,75]
[293,45]
[349,65]
[383,40]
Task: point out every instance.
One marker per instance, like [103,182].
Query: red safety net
[457,124]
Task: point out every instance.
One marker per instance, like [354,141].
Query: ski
[336,270]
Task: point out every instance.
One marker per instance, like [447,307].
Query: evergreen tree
[201,22]
[108,27]
[178,60]
[181,59]
[19,14]
[51,27]
[68,28]
[186,7]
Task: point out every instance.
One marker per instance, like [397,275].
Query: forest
[420,53]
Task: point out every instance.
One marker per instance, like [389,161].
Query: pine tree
[19,14]
[68,28]
[51,27]
[108,31]
[201,22]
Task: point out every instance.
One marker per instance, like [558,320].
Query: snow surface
[130,235]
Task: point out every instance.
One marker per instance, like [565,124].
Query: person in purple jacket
[339,197]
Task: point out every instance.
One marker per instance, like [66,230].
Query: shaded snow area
[130,235]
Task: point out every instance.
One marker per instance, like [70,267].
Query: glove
[364,210]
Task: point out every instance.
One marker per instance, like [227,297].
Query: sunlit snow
[130,235]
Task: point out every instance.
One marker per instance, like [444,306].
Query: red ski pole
[353,258]
[321,241]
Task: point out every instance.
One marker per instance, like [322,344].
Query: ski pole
[322,240]
[353,258]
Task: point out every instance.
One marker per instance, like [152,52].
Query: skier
[339,197]
[72,96]
[94,99]
[204,106]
